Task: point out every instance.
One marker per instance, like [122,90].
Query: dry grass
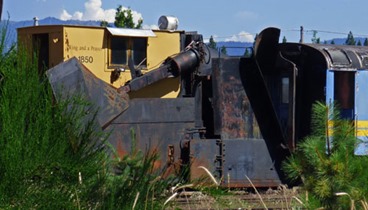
[215,197]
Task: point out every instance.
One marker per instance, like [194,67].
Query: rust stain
[121,152]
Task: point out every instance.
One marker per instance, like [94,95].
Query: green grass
[44,149]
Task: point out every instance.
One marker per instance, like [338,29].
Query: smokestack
[35,21]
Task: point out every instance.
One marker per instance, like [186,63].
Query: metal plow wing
[71,77]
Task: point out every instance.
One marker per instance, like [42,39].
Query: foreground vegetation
[51,154]
[332,176]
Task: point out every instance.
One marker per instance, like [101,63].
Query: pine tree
[332,42]
[315,39]
[326,163]
[124,19]
[350,39]
[359,43]
[284,40]
[365,42]
[212,44]
[247,53]
[223,50]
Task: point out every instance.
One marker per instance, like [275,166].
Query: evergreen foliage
[223,50]
[359,43]
[315,39]
[365,42]
[328,167]
[212,44]
[284,40]
[247,53]
[350,39]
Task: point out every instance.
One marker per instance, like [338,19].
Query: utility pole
[1,8]
[301,34]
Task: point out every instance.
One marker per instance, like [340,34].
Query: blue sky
[237,20]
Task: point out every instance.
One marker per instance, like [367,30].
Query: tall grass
[52,155]
[136,183]
[44,150]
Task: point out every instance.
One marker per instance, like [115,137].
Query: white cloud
[65,15]
[241,37]
[93,11]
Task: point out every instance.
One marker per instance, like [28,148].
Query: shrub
[329,167]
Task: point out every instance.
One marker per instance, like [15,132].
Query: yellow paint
[362,124]
[361,128]
[91,46]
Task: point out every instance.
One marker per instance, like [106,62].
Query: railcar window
[123,47]
[285,90]
[119,47]
[139,51]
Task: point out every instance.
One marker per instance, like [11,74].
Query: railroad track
[271,199]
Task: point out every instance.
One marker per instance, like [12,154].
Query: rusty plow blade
[71,77]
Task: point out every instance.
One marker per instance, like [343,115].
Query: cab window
[124,47]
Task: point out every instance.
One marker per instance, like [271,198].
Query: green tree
[104,23]
[223,50]
[365,42]
[359,43]
[332,42]
[315,39]
[212,44]
[350,39]
[284,40]
[124,18]
[326,164]
[247,53]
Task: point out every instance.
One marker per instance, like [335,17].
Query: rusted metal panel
[159,125]
[233,117]
[158,110]
[205,153]
[231,161]
[72,78]
[250,158]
